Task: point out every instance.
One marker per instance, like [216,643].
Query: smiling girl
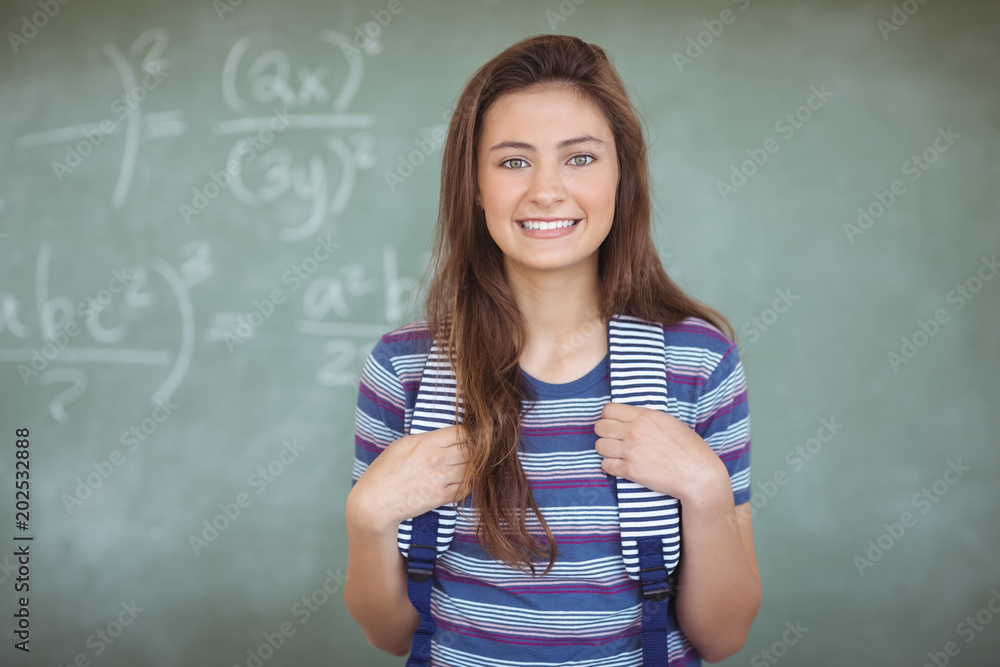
[543,259]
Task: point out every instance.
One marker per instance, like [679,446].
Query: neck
[561,309]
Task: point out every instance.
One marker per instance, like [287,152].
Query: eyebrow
[562,144]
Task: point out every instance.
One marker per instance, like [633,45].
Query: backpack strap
[649,521]
[423,538]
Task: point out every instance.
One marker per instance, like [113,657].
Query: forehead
[549,109]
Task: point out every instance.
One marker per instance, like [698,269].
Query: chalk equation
[330,302]
[273,98]
[141,70]
[329,306]
[255,77]
[98,329]
[299,185]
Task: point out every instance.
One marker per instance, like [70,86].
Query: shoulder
[408,339]
[697,341]
[391,373]
[696,333]
[401,353]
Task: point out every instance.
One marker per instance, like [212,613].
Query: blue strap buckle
[420,570]
[655,588]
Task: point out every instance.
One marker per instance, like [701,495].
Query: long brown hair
[471,309]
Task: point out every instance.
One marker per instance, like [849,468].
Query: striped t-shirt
[586,611]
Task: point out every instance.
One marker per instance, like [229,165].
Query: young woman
[543,238]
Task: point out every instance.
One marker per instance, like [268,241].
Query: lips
[553,228]
[546,225]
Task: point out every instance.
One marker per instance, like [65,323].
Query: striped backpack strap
[649,521]
[423,538]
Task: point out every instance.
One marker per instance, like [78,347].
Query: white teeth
[555,224]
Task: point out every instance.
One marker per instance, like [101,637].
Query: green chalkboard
[210,211]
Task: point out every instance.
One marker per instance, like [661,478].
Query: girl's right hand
[413,475]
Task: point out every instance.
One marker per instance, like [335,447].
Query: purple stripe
[699,329]
[543,589]
[367,445]
[736,402]
[369,393]
[538,641]
[585,429]
[422,333]
[577,483]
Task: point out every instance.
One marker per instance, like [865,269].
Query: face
[548,174]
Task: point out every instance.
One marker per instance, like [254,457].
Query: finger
[614,467]
[608,428]
[458,459]
[455,493]
[453,478]
[618,411]
[447,436]
[457,434]
[609,448]
[449,443]
[444,480]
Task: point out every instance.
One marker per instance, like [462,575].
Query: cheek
[599,191]
[496,192]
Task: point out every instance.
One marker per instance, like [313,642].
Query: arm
[719,590]
[396,477]
[707,470]
[375,588]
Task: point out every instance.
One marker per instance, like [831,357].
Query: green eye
[509,163]
[575,160]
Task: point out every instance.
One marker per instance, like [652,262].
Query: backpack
[649,521]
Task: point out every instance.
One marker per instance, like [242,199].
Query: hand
[414,474]
[654,449]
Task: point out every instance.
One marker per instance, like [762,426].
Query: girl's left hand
[654,449]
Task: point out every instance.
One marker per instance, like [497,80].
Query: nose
[547,188]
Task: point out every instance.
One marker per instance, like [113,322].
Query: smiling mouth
[543,226]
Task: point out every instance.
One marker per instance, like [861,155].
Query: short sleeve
[380,412]
[723,421]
